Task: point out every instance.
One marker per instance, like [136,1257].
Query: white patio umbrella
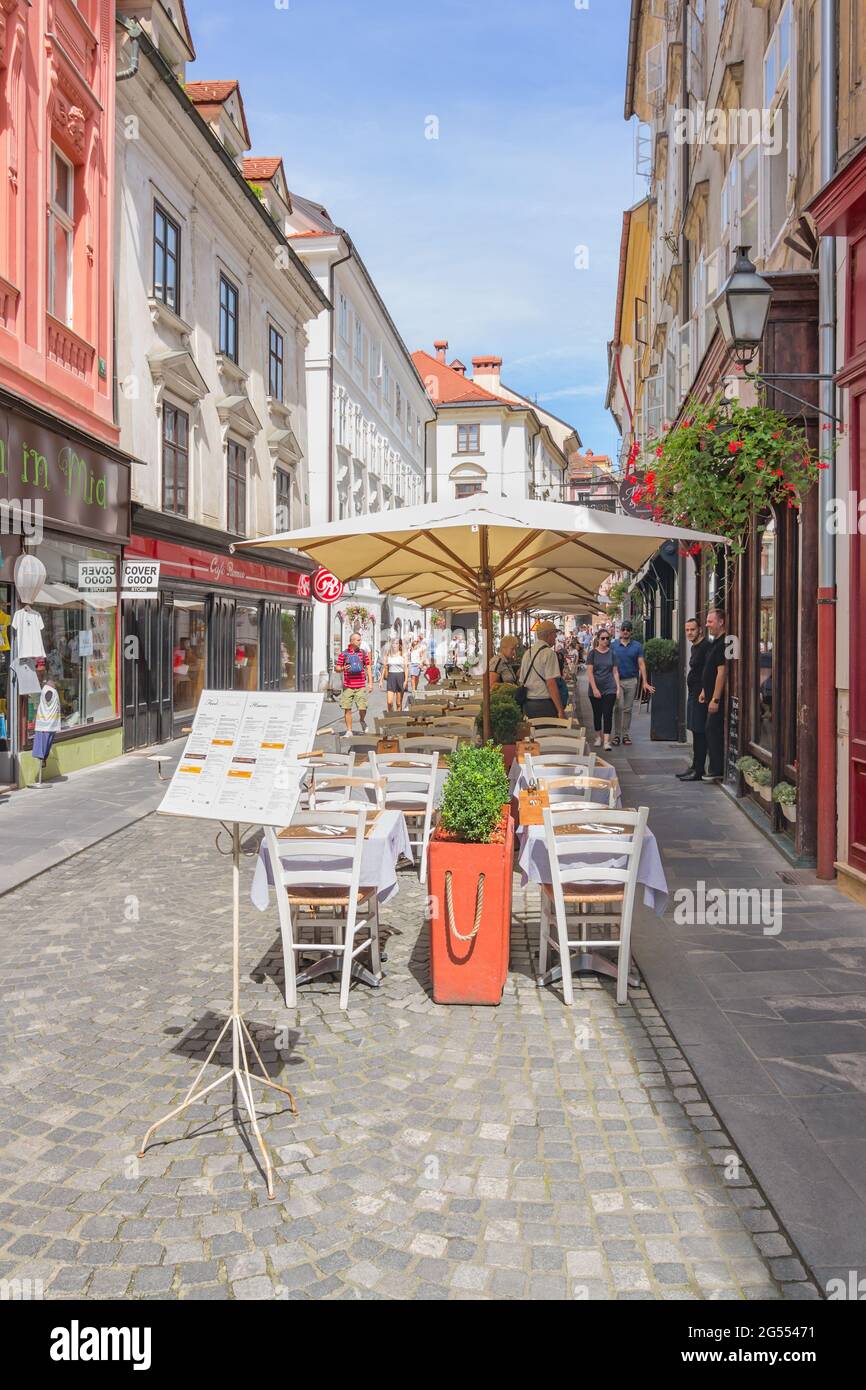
[484,552]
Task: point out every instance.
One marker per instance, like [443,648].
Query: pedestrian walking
[395,674]
[713,692]
[417,657]
[539,676]
[604,687]
[354,666]
[629,660]
[696,711]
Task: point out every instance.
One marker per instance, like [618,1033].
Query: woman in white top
[416,660]
[395,674]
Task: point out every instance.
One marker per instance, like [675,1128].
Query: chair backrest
[562,743]
[578,764]
[620,836]
[569,789]
[417,784]
[344,761]
[452,724]
[545,723]
[332,788]
[389,725]
[428,744]
[330,860]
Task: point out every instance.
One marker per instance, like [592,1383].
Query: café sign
[326,586]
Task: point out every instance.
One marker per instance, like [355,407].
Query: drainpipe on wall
[332,347]
[682,564]
[827,773]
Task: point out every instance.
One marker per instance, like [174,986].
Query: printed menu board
[238,764]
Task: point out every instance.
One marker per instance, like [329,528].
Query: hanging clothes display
[27,626]
[47,722]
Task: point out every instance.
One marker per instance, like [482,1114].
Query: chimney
[485,372]
[458,366]
[441,348]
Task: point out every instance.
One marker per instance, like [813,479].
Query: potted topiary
[748,767]
[471,866]
[762,782]
[507,724]
[785,796]
[662,658]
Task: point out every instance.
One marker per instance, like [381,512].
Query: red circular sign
[327,587]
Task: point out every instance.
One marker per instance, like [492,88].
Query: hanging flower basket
[725,464]
[357,613]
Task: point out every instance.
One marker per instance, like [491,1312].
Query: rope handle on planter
[449,907]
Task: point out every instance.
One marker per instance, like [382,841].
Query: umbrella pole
[487,624]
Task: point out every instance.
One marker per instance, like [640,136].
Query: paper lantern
[29,576]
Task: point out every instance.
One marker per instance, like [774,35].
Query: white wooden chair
[390,725]
[561,743]
[544,723]
[359,743]
[580,764]
[571,790]
[411,790]
[334,789]
[337,900]
[575,890]
[429,743]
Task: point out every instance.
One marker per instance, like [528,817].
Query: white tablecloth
[534,863]
[388,842]
[518,780]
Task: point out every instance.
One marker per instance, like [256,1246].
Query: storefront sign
[238,762]
[97,576]
[304,585]
[630,485]
[327,587]
[140,579]
[78,486]
[212,570]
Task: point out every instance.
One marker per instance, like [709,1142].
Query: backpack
[353,661]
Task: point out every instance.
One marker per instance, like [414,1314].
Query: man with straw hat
[539,674]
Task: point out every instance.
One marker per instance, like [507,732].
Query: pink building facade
[64,485]
[56,165]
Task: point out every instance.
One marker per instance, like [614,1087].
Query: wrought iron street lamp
[743,307]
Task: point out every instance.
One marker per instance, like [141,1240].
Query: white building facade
[212,305]
[368,414]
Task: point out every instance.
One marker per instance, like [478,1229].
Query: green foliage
[785,794]
[661,654]
[762,777]
[725,465]
[747,765]
[258,190]
[475,791]
[506,716]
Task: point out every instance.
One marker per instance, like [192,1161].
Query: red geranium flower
[735,446]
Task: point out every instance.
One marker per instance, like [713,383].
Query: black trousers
[699,751]
[716,743]
[540,709]
[602,712]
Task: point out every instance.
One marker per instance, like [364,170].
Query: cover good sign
[239,763]
[140,579]
[97,576]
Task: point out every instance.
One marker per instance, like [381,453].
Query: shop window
[189,656]
[166,259]
[246,648]
[228,342]
[79,634]
[236,510]
[764,695]
[61,232]
[288,649]
[175,460]
[276,354]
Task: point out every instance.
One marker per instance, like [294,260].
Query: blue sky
[471,236]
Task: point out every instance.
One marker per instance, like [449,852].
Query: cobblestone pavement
[524,1152]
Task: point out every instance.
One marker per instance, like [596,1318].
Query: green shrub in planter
[785,794]
[661,654]
[506,717]
[748,766]
[762,776]
[475,791]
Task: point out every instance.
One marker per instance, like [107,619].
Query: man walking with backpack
[354,665]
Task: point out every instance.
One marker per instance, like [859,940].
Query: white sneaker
[607,745]
[597,743]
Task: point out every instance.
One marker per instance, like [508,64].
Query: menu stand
[240,1069]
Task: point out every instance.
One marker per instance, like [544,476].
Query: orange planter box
[471,968]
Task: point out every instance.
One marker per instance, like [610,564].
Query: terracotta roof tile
[451,387]
[261,168]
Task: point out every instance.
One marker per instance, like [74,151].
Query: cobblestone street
[527,1151]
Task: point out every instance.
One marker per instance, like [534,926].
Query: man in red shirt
[354,665]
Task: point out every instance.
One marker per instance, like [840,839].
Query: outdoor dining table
[534,864]
[518,779]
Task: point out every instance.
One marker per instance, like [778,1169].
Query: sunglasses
[604,639]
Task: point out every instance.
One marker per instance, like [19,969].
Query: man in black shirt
[713,692]
[696,713]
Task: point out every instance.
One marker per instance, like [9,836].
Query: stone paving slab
[524,1152]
